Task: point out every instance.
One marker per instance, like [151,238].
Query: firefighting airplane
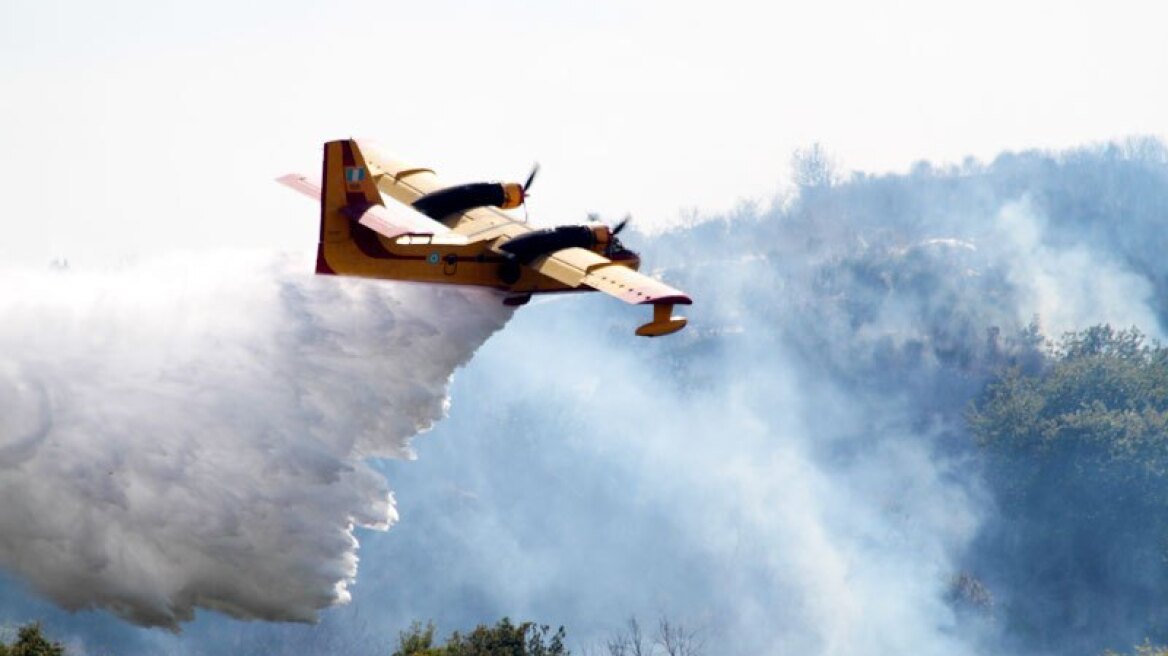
[430,233]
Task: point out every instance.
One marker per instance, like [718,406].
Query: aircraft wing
[407,183]
[391,220]
[580,267]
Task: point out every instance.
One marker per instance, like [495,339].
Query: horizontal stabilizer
[301,183]
[391,220]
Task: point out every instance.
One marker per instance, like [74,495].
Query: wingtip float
[382,218]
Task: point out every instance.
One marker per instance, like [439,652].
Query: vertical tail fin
[347,191]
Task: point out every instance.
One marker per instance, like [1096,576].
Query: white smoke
[1067,286]
[191,432]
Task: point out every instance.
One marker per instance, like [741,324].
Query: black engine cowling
[445,203]
[528,246]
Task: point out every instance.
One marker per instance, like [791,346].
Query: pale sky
[143,126]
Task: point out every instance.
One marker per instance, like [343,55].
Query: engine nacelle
[598,238]
[530,245]
[445,203]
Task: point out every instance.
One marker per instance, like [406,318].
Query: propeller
[593,217]
[622,224]
[527,185]
[530,177]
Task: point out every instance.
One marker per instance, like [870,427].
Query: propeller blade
[624,223]
[531,177]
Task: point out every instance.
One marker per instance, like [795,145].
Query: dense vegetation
[1077,458]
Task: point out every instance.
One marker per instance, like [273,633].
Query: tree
[416,641]
[30,641]
[628,643]
[503,639]
[672,639]
[676,640]
[813,167]
[1076,456]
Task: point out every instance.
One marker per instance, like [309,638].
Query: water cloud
[192,432]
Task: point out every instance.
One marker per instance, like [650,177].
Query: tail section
[348,190]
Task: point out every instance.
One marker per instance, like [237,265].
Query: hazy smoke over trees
[794,473]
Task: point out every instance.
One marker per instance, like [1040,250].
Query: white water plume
[191,432]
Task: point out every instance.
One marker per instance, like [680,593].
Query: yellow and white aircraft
[430,233]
